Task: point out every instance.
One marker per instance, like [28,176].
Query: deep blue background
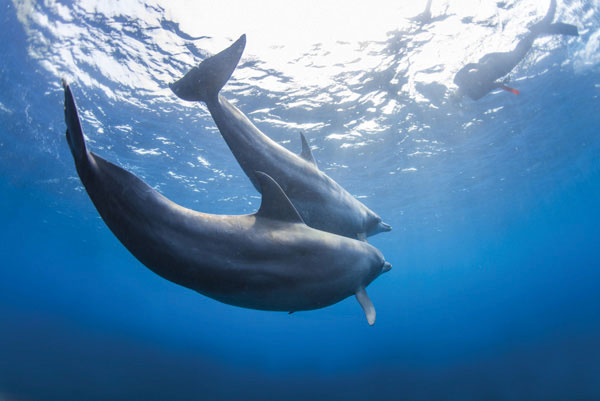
[494,293]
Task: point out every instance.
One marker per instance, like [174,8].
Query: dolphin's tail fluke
[74,132]
[204,82]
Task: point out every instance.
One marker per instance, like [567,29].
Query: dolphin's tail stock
[204,82]
[74,132]
[546,27]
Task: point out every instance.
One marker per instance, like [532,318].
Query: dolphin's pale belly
[287,271]
[263,267]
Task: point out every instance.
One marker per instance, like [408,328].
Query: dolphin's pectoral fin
[366,304]
[306,153]
[362,237]
[275,203]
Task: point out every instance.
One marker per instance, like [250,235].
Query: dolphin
[478,79]
[322,202]
[268,260]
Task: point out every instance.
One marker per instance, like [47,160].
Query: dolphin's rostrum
[322,202]
[268,260]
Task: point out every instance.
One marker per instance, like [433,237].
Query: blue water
[495,288]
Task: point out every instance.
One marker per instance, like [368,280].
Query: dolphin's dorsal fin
[367,305]
[306,153]
[275,203]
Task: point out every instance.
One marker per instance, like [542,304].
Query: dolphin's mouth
[385,227]
[377,226]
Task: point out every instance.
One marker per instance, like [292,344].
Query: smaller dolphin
[478,79]
[322,202]
[269,260]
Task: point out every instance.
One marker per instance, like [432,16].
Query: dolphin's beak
[387,266]
[384,227]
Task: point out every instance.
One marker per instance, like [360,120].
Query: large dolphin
[478,79]
[268,260]
[322,202]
